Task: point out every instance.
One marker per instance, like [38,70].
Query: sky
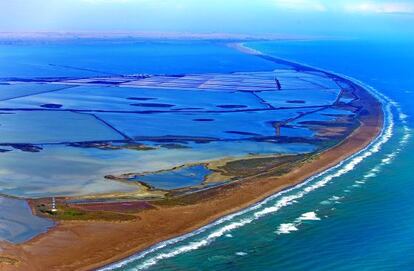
[340,18]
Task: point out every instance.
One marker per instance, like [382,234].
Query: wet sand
[85,245]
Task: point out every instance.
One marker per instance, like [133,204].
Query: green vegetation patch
[65,212]
[254,166]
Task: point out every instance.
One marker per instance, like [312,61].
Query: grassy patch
[250,167]
[65,212]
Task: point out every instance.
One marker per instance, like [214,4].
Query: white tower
[54,209]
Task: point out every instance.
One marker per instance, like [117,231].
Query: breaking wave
[227,224]
[308,216]
[286,228]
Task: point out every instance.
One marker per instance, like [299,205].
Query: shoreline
[142,35]
[282,188]
[85,245]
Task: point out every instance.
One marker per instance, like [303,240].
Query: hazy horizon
[277,17]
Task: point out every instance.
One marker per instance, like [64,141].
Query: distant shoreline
[91,244]
[130,36]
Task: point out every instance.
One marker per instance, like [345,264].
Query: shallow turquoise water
[358,216]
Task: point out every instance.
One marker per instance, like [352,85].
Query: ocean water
[357,216]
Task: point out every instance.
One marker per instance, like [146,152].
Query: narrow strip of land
[85,245]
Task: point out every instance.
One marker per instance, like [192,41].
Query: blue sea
[357,216]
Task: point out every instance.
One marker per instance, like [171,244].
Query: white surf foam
[341,169]
[286,228]
[307,187]
[403,116]
[370,175]
[308,216]
[335,198]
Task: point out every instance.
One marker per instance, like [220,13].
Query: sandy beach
[85,245]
